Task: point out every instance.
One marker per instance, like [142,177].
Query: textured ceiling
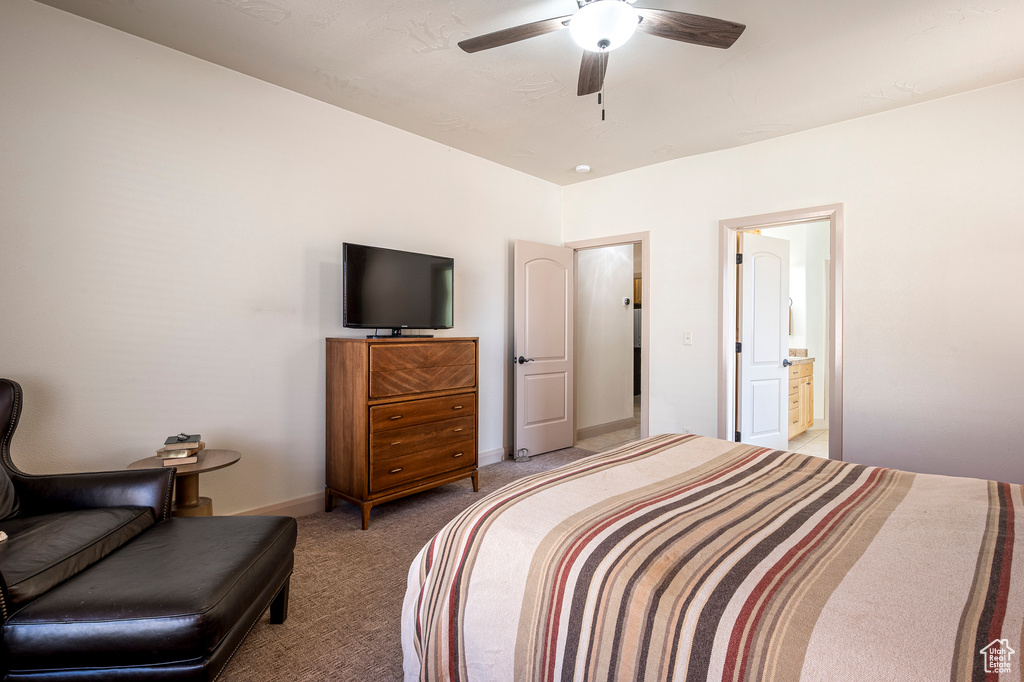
[800,64]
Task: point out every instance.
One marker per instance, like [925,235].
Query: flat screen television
[396,290]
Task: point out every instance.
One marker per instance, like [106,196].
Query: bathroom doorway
[824,382]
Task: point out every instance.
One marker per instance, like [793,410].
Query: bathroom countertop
[800,361]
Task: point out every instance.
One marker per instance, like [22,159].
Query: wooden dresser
[801,397]
[401,417]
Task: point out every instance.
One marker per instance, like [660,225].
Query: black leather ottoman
[173,604]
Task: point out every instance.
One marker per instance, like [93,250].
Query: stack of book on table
[181,449]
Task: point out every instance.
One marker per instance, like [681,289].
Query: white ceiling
[799,64]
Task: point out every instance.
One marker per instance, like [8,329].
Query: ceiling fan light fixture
[603,25]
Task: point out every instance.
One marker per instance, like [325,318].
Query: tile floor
[607,441]
[811,442]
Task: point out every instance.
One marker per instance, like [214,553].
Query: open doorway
[610,340]
[810,362]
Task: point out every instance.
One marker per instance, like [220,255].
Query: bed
[691,558]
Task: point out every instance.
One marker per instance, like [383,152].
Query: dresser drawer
[409,413]
[389,357]
[804,370]
[397,471]
[406,381]
[794,422]
[794,401]
[403,441]
[794,387]
[403,368]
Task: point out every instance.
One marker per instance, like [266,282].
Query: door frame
[644,239]
[727,310]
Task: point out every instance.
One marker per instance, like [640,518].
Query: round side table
[186,483]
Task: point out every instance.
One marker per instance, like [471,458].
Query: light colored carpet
[345,607]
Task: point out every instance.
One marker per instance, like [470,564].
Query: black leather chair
[97,582]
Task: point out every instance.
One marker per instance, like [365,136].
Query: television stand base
[397,334]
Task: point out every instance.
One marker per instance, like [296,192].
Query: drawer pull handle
[457,430]
[795,421]
[457,407]
[458,454]
[397,416]
[397,442]
[396,470]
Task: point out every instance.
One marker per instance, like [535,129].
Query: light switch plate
[687,338]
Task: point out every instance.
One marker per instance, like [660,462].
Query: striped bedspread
[691,558]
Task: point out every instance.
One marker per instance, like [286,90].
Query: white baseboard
[314,502]
[491,457]
[300,506]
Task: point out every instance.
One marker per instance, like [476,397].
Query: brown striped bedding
[691,558]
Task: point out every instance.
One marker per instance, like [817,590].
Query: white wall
[170,235]
[817,267]
[933,381]
[604,335]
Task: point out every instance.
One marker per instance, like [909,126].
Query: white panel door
[543,350]
[763,380]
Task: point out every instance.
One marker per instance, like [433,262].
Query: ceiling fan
[600,26]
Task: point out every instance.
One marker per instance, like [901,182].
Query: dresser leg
[476,482]
[365,508]
[328,500]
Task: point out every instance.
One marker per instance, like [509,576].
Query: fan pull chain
[600,100]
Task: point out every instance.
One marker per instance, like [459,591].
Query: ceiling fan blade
[514,34]
[592,71]
[689,28]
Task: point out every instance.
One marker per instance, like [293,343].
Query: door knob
[786,362]
[523,361]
